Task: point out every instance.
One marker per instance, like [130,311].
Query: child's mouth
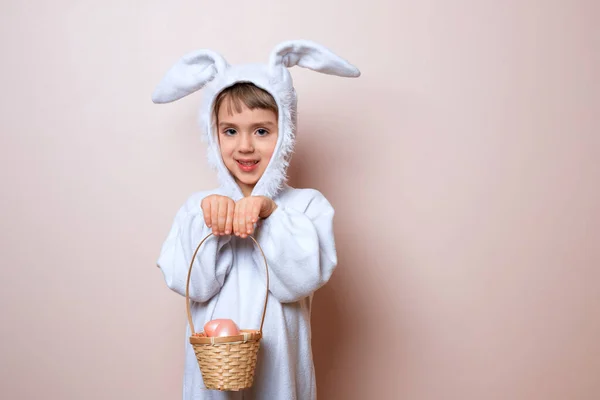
[247,166]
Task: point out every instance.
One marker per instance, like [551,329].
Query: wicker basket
[226,363]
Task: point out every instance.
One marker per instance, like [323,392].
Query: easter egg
[211,326]
[227,328]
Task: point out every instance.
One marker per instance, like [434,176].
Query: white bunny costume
[228,279]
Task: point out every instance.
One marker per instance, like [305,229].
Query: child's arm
[298,242]
[213,261]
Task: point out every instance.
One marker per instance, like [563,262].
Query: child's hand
[218,213]
[247,212]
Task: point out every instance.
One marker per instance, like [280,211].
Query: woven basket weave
[226,363]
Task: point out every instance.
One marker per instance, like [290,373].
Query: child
[249,119]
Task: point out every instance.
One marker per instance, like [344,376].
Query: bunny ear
[313,56]
[189,74]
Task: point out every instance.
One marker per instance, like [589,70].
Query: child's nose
[246,143]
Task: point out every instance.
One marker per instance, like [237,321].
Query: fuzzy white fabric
[228,279]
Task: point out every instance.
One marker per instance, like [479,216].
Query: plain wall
[463,166]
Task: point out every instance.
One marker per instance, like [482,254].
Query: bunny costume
[228,279]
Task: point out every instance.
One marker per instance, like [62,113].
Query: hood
[207,69]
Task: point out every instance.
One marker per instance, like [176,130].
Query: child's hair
[247,93]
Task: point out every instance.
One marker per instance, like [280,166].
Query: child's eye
[229,132]
[262,132]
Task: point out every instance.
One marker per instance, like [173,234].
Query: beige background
[462,164]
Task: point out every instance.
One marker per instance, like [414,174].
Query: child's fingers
[248,227]
[241,219]
[229,220]
[222,215]
[256,212]
[206,211]
[252,217]
[236,211]
[214,216]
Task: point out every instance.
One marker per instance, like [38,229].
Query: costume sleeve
[213,261]
[299,245]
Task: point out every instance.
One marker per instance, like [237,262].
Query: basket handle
[187,286]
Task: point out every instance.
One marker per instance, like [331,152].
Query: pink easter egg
[227,328]
[211,326]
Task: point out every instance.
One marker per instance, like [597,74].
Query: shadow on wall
[335,309]
[360,293]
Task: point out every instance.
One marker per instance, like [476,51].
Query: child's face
[247,141]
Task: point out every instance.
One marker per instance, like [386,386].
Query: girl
[249,119]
